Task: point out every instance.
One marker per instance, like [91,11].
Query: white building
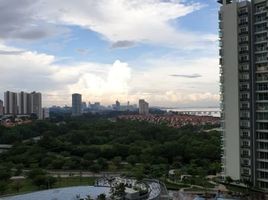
[36,104]
[10,103]
[23,103]
[143,107]
[244,90]
[45,113]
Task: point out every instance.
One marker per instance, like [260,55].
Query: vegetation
[92,143]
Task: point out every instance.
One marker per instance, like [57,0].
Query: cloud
[19,20]
[11,52]
[82,51]
[108,82]
[186,76]
[149,21]
[123,23]
[123,44]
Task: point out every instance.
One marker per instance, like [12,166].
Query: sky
[163,51]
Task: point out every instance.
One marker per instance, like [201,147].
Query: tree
[228,180]
[3,187]
[5,174]
[44,181]
[101,197]
[132,159]
[117,161]
[118,192]
[35,172]
[17,185]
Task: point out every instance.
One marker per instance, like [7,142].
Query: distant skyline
[164,51]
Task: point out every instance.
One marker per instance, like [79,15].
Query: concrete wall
[231,91]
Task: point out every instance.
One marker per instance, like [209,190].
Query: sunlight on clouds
[115,82]
[108,82]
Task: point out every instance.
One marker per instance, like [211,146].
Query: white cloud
[108,82]
[145,21]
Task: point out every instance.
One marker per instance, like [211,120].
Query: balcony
[245,156]
[261,61]
[262,69]
[245,137]
[245,146]
[260,10]
[245,165]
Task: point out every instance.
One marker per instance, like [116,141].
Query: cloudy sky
[162,50]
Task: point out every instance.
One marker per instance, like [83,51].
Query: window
[243,39]
[262,86]
[244,76]
[245,143]
[244,114]
[245,133]
[245,124]
[262,136]
[246,171]
[262,96]
[262,126]
[244,96]
[245,153]
[244,105]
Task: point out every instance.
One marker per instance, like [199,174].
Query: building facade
[244,90]
[1,107]
[143,107]
[10,103]
[76,104]
[23,103]
[46,114]
[36,104]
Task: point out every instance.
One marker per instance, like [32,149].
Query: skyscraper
[23,103]
[10,102]
[244,90]
[76,104]
[36,104]
[143,107]
[1,107]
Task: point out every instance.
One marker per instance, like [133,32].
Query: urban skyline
[170,61]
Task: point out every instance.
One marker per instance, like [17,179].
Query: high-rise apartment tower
[244,90]
[10,103]
[143,107]
[76,104]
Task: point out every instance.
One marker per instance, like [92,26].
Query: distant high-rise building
[76,104]
[45,113]
[24,103]
[84,106]
[117,105]
[1,107]
[36,104]
[10,102]
[244,86]
[143,107]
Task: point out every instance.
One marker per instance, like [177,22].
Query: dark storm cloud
[186,75]
[19,20]
[123,44]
